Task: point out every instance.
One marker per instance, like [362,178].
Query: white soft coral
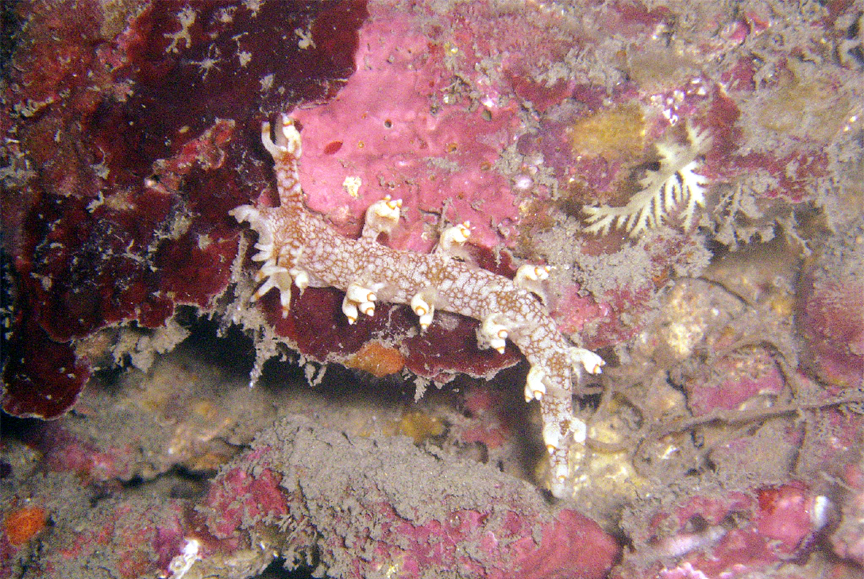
[675,185]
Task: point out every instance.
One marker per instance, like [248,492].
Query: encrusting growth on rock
[298,248]
[674,186]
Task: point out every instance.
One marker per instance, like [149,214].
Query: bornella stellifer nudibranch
[298,248]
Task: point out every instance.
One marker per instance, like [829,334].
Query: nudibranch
[298,248]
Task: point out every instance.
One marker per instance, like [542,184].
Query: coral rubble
[301,478]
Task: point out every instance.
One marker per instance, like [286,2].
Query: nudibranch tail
[296,247]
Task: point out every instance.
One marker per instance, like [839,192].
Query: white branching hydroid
[674,187]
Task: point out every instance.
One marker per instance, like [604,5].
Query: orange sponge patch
[21,525]
[377,359]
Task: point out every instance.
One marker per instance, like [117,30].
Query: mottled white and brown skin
[299,248]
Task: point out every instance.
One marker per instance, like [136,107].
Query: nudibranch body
[299,248]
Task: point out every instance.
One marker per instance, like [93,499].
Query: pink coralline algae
[830,315]
[241,497]
[742,379]
[400,127]
[848,538]
[729,536]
